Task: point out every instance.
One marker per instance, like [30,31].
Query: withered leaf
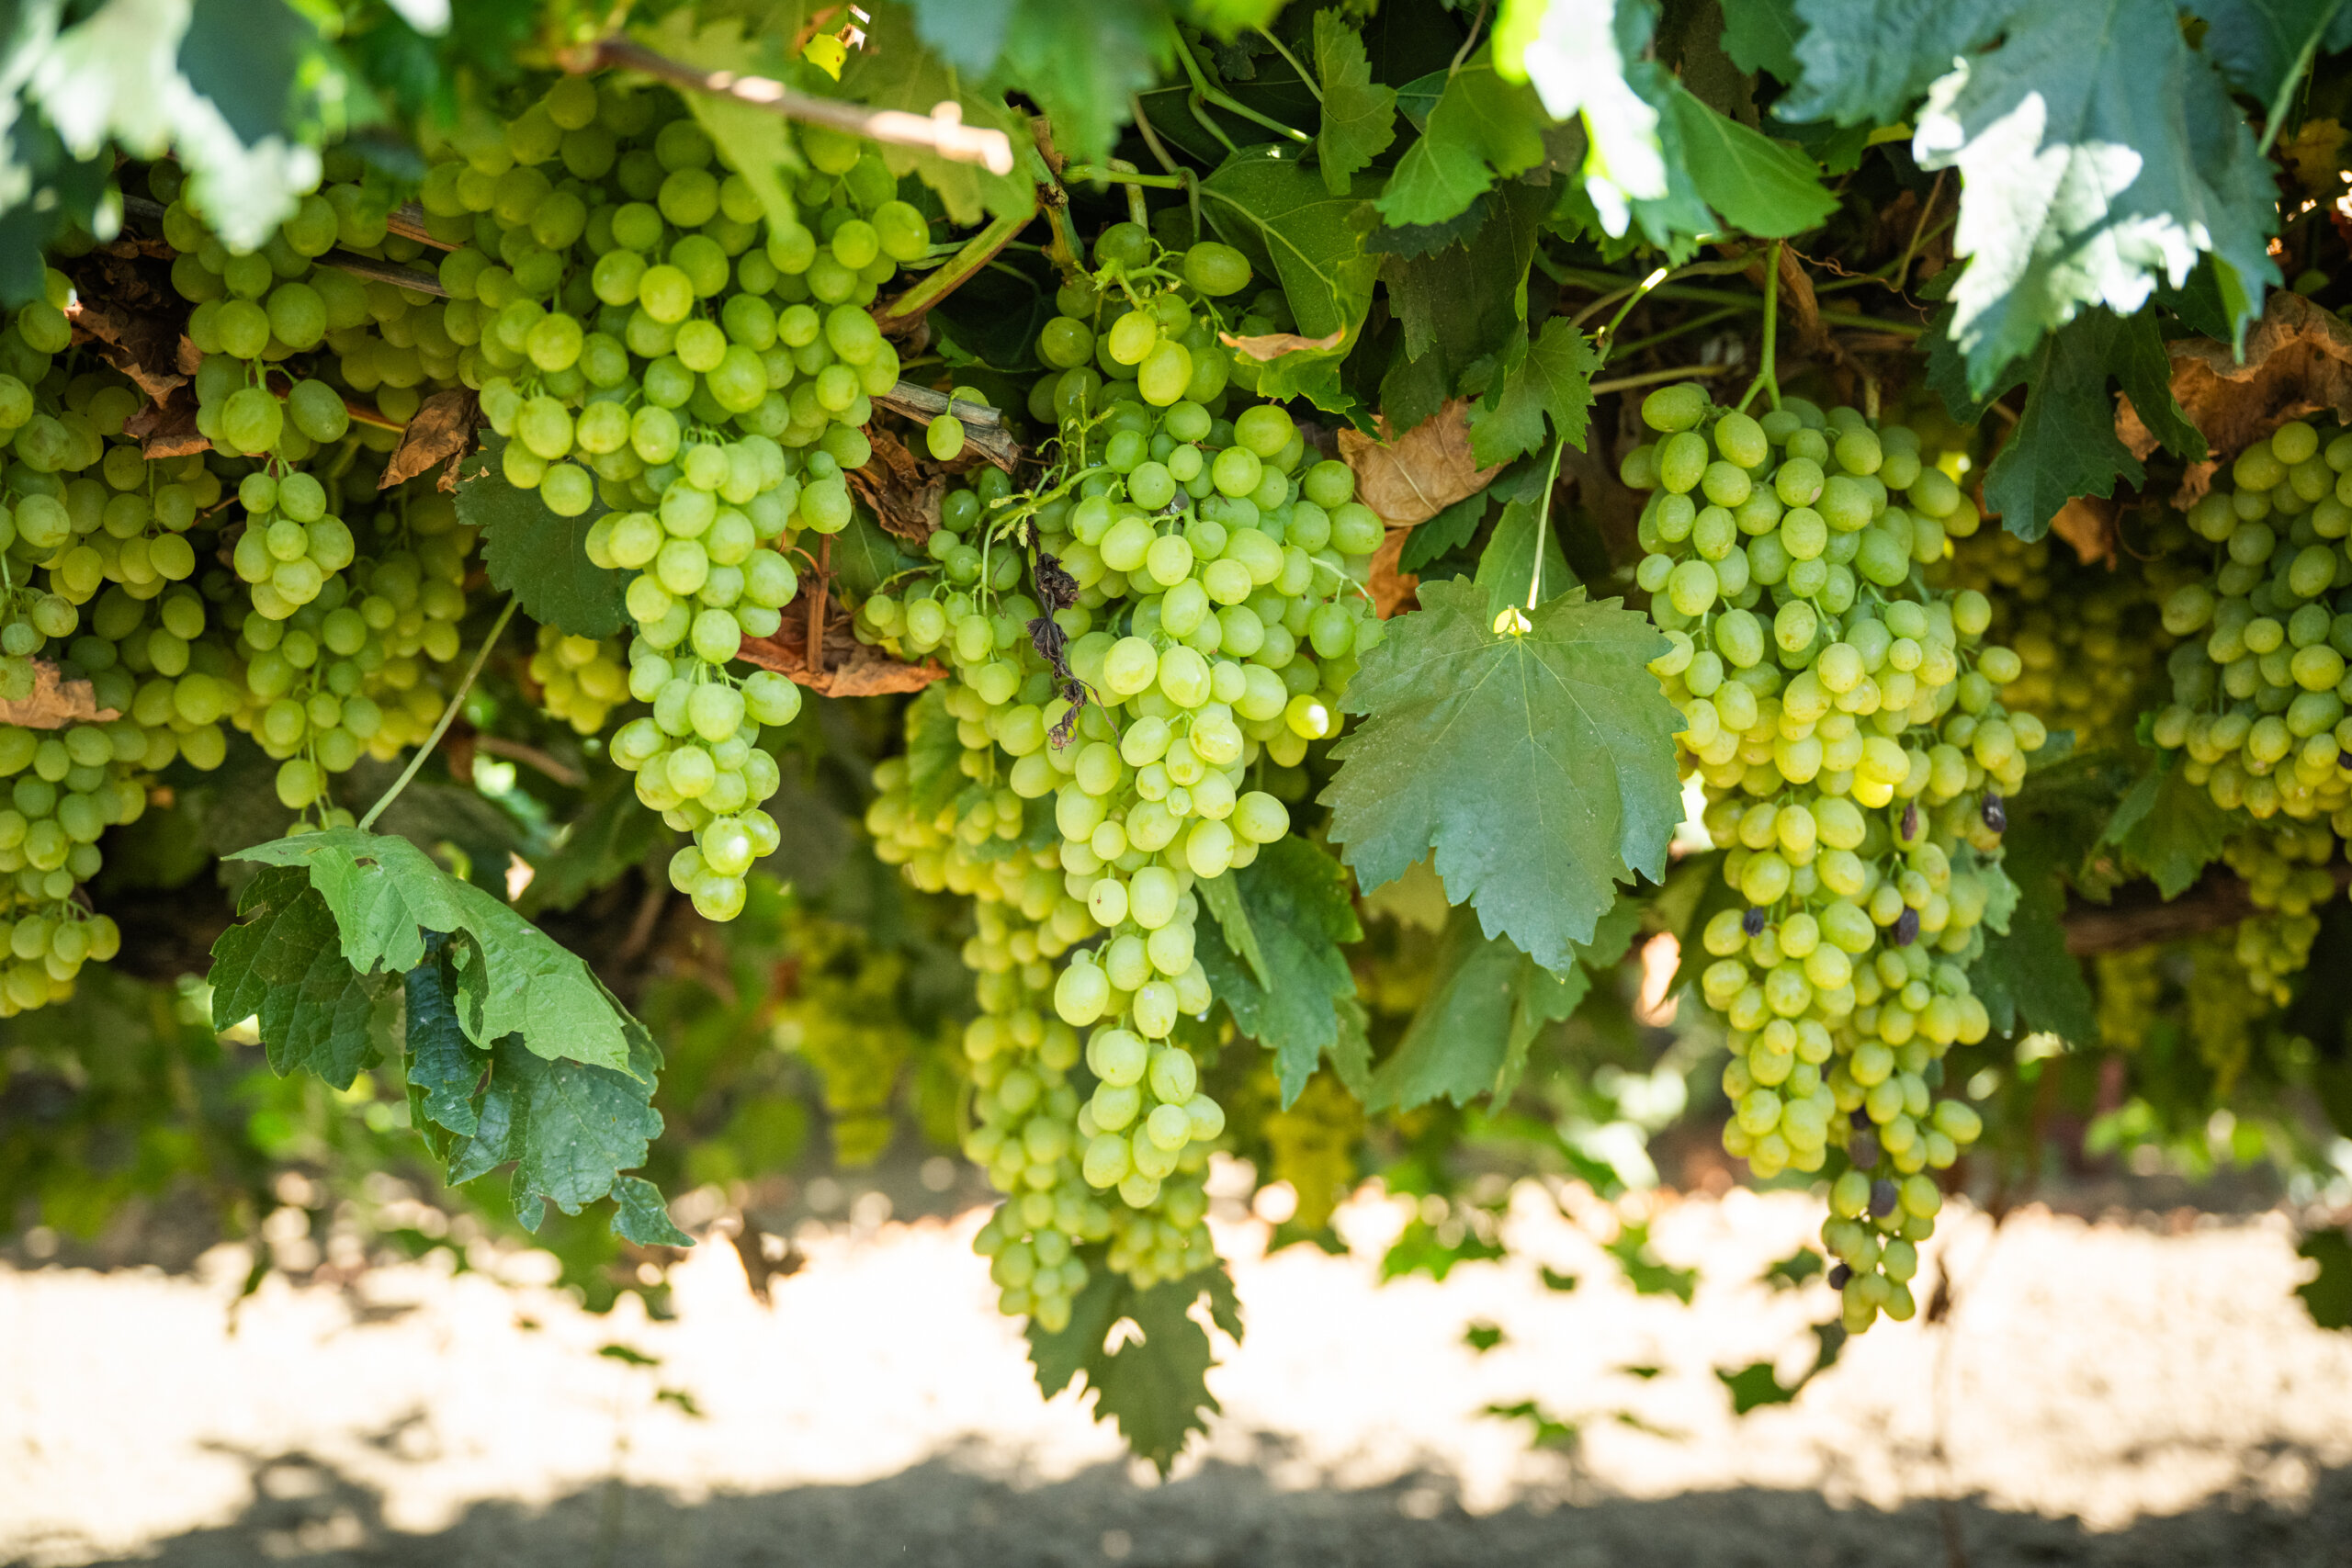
[1411,477]
[1393,590]
[1264,346]
[2298,362]
[851,668]
[55,703]
[443,429]
[902,497]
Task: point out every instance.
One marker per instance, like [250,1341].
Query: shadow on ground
[943,1515]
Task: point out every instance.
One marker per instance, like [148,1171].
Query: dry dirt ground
[2111,1394]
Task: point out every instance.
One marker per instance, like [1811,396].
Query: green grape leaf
[539,557]
[1449,530]
[640,1215]
[896,71]
[864,556]
[1538,765]
[283,965]
[1276,212]
[1464,308]
[2026,977]
[1358,114]
[386,895]
[1273,955]
[756,144]
[1487,1003]
[1483,129]
[445,1071]
[1761,35]
[2098,155]
[1766,188]
[570,1128]
[1155,1383]
[1081,64]
[2064,445]
[2263,46]
[1867,61]
[2175,832]
[2327,1296]
[1549,377]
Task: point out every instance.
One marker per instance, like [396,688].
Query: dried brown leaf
[903,497]
[442,430]
[852,668]
[1411,477]
[55,703]
[2298,362]
[167,429]
[2088,522]
[1393,591]
[1264,346]
[144,347]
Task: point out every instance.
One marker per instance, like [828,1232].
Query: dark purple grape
[1910,822]
[1995,815]
[1882,1197]
[1907,929]
[1752,923]
[1862,1149]
[1859,1119]
[1838,1274]
[2343,758]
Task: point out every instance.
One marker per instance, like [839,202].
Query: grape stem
[909,308]
[942,132]
[1764,372]
[1204,91]
[448,716]
[1543,526]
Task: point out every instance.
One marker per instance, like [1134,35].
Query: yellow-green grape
[1848,725]
[581,679]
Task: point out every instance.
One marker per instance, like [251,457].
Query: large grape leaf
[1486,1004]
[1154,1383]
[444,1069]
[2263,46]
[1483,129]
[283,965]
[896,71]
[1463,306]
[1764,186]
[1587,61]
[1273,956]
[2099,155]
[1358,114]
[1867,61]
[2064,445]
[1276,211]
[387,897]
[1538,764]
[539,557]
[1549,378]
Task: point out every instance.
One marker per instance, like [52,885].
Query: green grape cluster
[845,1010]
[581,679]
[2284,865]
[2090,638]
[1193,608]
[1848,724]
[2259,684]
[643,331]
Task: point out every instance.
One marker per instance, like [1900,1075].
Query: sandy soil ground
[2110,1393]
